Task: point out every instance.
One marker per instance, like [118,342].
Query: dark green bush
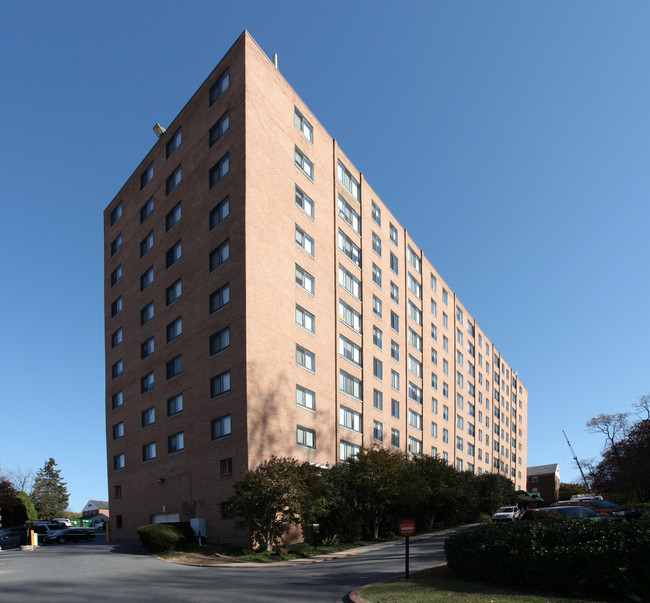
[160,537]
[569,557]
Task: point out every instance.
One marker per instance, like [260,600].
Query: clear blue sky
[512,139]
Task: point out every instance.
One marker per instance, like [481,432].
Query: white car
[506,514]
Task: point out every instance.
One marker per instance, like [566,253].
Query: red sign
[407,528]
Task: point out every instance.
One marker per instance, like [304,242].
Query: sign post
[407,529]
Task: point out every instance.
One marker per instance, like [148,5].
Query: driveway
[98,572]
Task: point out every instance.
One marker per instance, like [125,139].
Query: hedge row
[164,537]
[571,557]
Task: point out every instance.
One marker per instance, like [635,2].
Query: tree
[494,491]
[278,494]
[50,492]
[22,479]
[612,426]
[568,490]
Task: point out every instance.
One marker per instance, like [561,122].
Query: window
[349,316]
[376,213]
[173,180]
[305,319]
[350,419]
[348,181]
[147,176]
[220,384]
[434,429]
[220,86]
[434,406]
[445,297]
[346,450]
[220,298]
[434,356]
[173,143]
[377,431]
[414,286]
[459,443]
[394,263]
[118,462]
[220,212]
[116,214]
[434,334]
[146,244]
[305,397]
[350,385]
[304,241]
[304,203]
[351,250]
[376,306]
[349,350]
[394,292]
[305,437]
[459,422]
[174,329]
[147,348]
[459,401]
[117,369]
[434,283]
[149,452]
[349,215]
[377,336]
[459,464]
[175,443]
[173,292]
[225,467]
[445,320]
[394,380]
[116,275]
[116,338]
[459,358]
[415,393]
[116,244]
[377,368]
[445,389]
[434,307]
[117,400]
[117,492]
[174,367]
[304,280]
[148,417]
[305,358]
[394,350]
[376,244]
[376,275]
[301,160]
[118,431]
[146,210]
[445,436]
[393,234]
[394,321]
[459,315]
[415,366]
[415,445]
[378,399]
[414,259]
[219,341]
[414,312]
[459,378]
[445,367]
[415,419]
[445,343]
[219,170]
[146,279]
[174,253]
[350,283]
[219,255]
[173,216]
[221,427]
[220,128]
[174,405]
[459,336]
[303,125]
[394,438]
[445,413]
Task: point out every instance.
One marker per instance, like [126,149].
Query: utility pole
[575,458]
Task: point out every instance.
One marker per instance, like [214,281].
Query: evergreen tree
[50,492]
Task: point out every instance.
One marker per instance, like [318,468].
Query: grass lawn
[439,584]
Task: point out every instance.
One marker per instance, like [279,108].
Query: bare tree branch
[613,426]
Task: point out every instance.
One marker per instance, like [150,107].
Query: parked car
[12,538]
[64,521]
[604,507]
[46,527]
[506,514]
[70,535]
[566,512]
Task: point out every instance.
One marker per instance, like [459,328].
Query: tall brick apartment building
[261,299]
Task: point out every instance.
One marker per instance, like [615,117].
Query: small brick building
[544,479]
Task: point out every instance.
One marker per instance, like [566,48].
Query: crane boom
[575,458]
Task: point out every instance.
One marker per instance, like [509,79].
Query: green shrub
[570,557]
[160,537]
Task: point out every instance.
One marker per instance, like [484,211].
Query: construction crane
[575,458]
